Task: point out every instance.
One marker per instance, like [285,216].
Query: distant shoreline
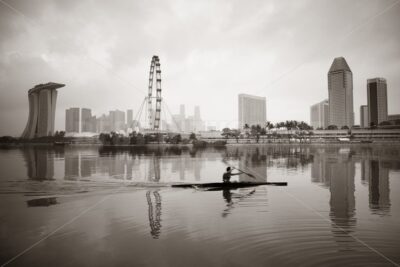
[375,143]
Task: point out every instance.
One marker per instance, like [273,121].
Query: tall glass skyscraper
[340,87]
[252,110]
[377,100]
[72,117]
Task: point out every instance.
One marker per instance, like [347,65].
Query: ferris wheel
[153,110]
[154,115]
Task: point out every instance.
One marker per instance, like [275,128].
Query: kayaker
[227,175]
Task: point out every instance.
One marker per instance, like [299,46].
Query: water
[94,206]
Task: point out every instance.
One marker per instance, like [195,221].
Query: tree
[192,137]
[226,132]
[105,138]
[269,125]
[176,139]
[332,127]
[235,133]
[345,127]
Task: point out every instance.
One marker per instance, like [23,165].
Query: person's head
[228,169]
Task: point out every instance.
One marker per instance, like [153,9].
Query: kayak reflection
[154,213]
[230,204]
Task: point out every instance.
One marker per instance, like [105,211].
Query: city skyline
[216,64]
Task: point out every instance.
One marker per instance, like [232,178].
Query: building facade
[88,122]
[364,117]
[377,100]
[42,110]
[72,120]
[117,120]
[340,88]
[252,110]
[319,115]
[129,118]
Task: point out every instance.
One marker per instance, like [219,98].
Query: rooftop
[49,85]
[339,64]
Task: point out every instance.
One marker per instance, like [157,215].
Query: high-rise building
[117,120]
[319,114]
[364,121]
[103,124]
[72,120]
[182,111]
[198,123]
[252,110]
[87,121]
[340,87]
[42,110]
[377,100]
[129,118]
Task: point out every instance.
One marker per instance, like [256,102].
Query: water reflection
[154,213]
[39,163]
[230,204]
[42,202]
[377,178]
[332,167]
[335,170]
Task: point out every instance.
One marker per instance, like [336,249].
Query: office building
[364,121]
[117,120]
[42,110]
[377,100]
[252,110]
[319,115]
[72,120]
[340,88]
[129,118]
[88,122]
[103,124]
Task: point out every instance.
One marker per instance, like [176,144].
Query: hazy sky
[210,51]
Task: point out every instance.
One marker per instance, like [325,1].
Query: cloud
[210,51]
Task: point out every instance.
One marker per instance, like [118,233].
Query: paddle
[249,174]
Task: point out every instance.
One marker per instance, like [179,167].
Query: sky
[210,51]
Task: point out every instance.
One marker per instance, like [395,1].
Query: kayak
[229,185]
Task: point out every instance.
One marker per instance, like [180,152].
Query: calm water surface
[100,207]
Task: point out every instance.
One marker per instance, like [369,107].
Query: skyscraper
[117,120]
[364,121]
[72,120]
[103,124]
[319,114]
[198,123]
[86,120]
[129,118]
[377,100]
[252,110]
[42,110]
[340,87]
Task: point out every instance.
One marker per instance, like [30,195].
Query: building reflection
[154,169]
[154,213]
[72,165]
[39,162]
[376,176]
[252,159]
[334,169]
